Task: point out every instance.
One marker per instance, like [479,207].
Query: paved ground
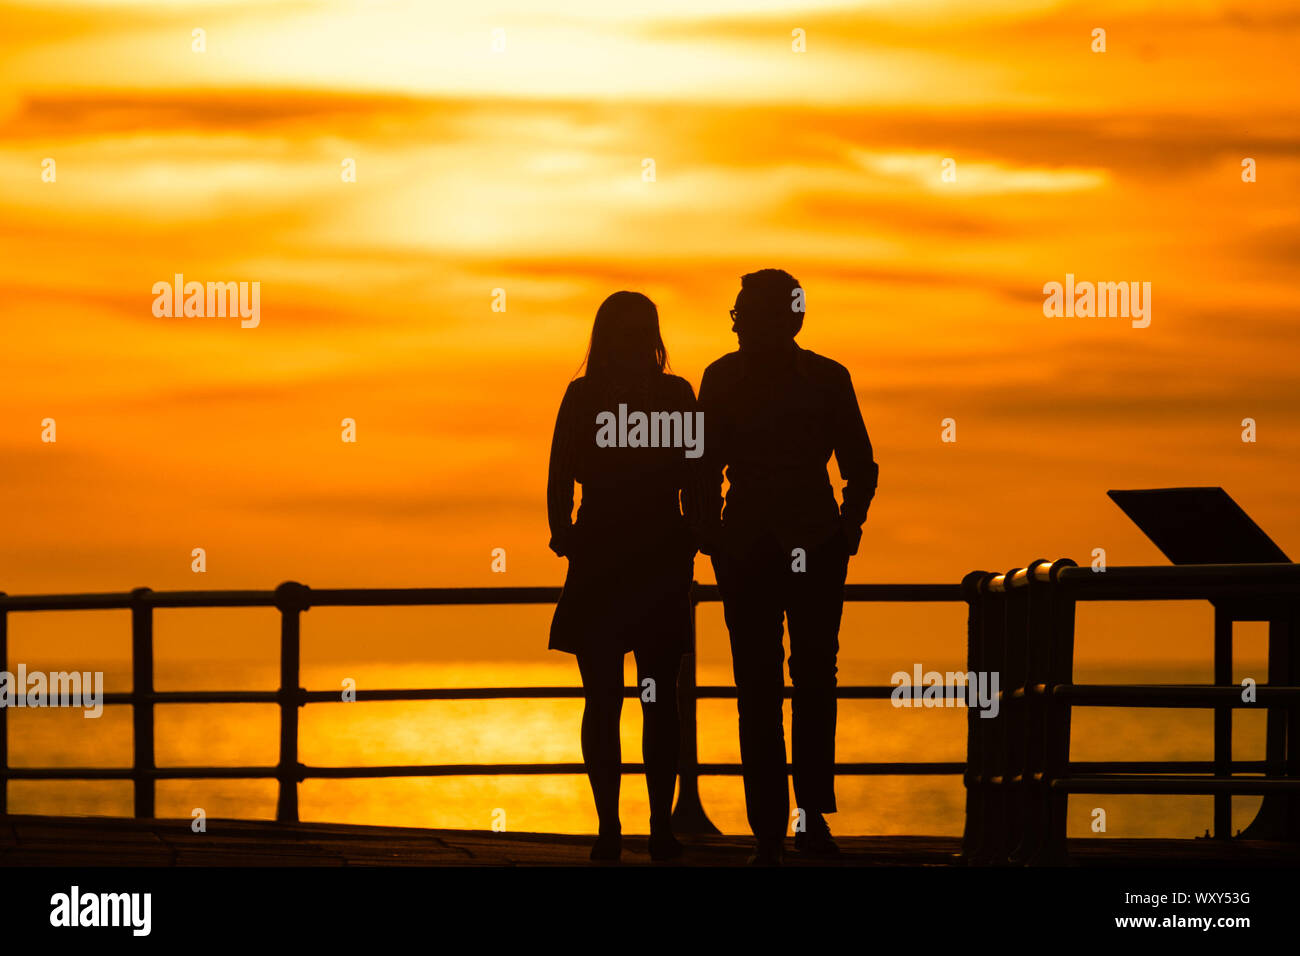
[105,841]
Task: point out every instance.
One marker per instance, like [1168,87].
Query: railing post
[1033,677]
[142,704]
[1222,721]
[292,599]
[1278,817]
[1291,673]
[1015,711]
[4,713]
[689,815]
[973,589]
[1052,848]
[987,846]
[1003,803]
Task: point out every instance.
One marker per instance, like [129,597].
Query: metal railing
[1020,775]
[292,599]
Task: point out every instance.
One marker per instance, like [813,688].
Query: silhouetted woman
[631,558]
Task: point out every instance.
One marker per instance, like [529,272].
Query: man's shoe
[768,853]
[607,848]
[815,840]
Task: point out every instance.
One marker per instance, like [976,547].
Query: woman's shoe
[815,840]
[665,846]
[607,848]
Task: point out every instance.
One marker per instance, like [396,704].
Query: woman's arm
[562,473]
[697,492]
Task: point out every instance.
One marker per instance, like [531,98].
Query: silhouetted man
[773,414]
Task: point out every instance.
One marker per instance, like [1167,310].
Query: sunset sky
[521,169]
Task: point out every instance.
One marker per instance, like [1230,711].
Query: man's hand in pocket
[851,534]
[708,538]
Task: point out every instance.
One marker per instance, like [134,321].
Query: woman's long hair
[625,343]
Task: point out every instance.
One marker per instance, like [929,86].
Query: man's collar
[791,357]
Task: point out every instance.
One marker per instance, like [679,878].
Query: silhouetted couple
[650,460]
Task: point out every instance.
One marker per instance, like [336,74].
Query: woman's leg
[661,733]
[602,688]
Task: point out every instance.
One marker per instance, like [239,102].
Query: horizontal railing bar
[943,692]
[919,768]
[1183,581]
[716,691]
[1190,581]
[155,599]
[461,693]
[1164,766]
[191,599]
[435,770]
[873,768]
[549,595]
[130,773]
[64,602]
[1080,695]
[954,692]
[397,597]
[456,770]
[1190,696]
[196,697]
[1185,786]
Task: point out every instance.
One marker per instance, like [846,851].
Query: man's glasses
[733,313]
